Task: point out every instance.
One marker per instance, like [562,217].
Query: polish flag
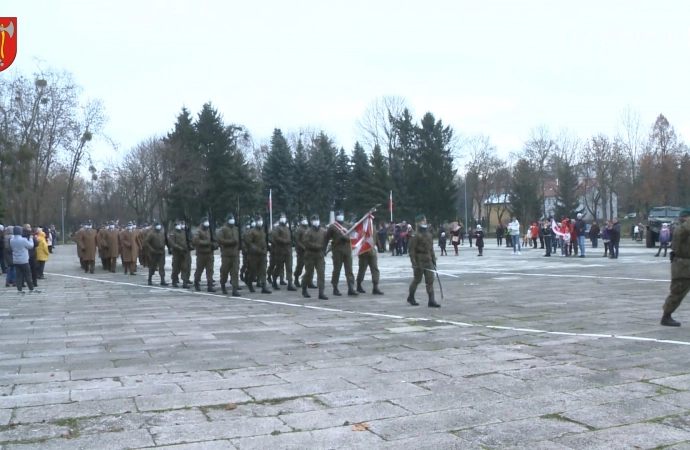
[390,203]
[362,235]
[558,229]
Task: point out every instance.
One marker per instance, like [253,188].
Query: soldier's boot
[275,286]
[291,287]
[322,295]
[376,290]
[264,289]
[432,302]
[163,283]
[250,286]
[305,293]
[311,285]
[269,278]
[282,282]
[150,280]
[360,289]
[336,292]
[175,282]
[667,321]
[411,300]
[351,290]
[185,284]
[297,284]
[197,286]
[235,291]
[210,288]
[126,268]
[223,289]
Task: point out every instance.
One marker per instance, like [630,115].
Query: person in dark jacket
[615,236]
[33,265]
[382,238]
[545,231]
[581,227]
[479,239]
[594,234]
[499,234]
[3,263]
[11,277]
[442,241]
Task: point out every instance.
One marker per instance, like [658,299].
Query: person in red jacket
[573,237]
[534,234]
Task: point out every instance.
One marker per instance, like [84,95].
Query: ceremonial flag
[362,235]
[390,205]
[557,229]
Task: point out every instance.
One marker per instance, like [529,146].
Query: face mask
[260,223]
[112,227]
[207,224]
[340,218]
[316,223]
[304,222]
[183,226]
[423,225]
[283,220]
[231,221]
[178,227]
[158,227]
[253,224]
[88,227]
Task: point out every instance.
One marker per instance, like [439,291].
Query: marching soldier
[255,241]
[271,259]
[245,259]
[130,251]
[155,243]
[315,242]
[282,252]
[368,259]
[423,258]
[86,243]
[341,246]
[299,249]
[77,237]
[136,237]
[181,260]
[103,246]
[680,269]
[229,240]
[113,240]
[204,255]
[143,250]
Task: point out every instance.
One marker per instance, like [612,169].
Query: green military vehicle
[659,215]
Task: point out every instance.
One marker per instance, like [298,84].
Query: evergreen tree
[567,199]
[359,186]
[301,178]
[278,173]
[342,174]
[525,194]
[183,165]
[321,177]
[402,164]
[380,179]
[431,173]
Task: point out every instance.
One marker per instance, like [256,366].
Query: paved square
[526,352]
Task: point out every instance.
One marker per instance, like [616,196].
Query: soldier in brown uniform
[255,241]
[204,255]
[86,242]
[103,250]
[315,242]
[680,269]
[113,240]
[299,248]
[282,251]
[141,237]
[182,259]
[228,238]
[369,259]
[245,258]
[130,251]
[155,243]
[341,247]
[77,237]
[423,258]
[136,236]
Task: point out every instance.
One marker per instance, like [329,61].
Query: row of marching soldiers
[148,244]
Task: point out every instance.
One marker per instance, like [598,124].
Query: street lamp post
[62,207]
[466,223]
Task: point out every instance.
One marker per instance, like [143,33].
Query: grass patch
[477,375]
[558,416]
[661,419]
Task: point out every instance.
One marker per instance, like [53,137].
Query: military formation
[148,245]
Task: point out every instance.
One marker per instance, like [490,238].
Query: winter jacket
[8,249]
[20,249]
[581,227]
[514,228]
[606,234]
[664,236]
[615,232]
[42,252]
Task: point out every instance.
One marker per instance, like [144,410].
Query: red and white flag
[390,203]
[558,229]
[362,235]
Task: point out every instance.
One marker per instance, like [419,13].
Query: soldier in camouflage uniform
[245,259]
[228,238]
[423,258]
[299,248]
[182,259]
[155,243]
[315,243]
[680,269]
[257,247]
[341,247]
[281,249]
[369,259]
[204,255]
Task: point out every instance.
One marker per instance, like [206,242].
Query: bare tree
[376,127]
[482,166]
[632,140]
[537,150]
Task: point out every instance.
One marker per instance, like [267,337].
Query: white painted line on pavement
[386,316]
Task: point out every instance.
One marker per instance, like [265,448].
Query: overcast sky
[494,67]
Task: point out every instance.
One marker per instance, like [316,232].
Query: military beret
[229,216]
[203,219]
[314,217]
[420,217]
[685,212]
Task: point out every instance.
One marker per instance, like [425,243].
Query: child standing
[479,239]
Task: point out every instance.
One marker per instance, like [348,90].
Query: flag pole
[390,205]
[270,207]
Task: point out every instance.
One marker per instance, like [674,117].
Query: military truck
[659,215]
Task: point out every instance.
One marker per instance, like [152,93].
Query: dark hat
[314,217]
[339,212]
[129,224]
[17,231]
[685,212]
[302,217]
[420,217]
[203,219]
[229,216]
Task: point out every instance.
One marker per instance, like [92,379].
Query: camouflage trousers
[679,289]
